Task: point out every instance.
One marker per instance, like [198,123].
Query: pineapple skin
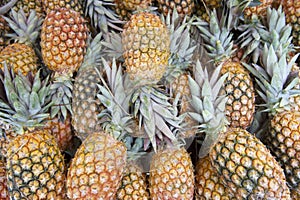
[133,185]
[283,140]
[97,168]
[247,167]
[259,10]
[292,13]
[133,5]
[146,42]
[61,131]
[4,29]
[183,7]
[49,5]
[208,185]
[35,167]
[171,175]
[63,40]
[85,105]
[3,181]
[21,56]
[238,87]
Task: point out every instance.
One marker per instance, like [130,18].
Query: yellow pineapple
[145,41]
[171,175]
[276,90]
[243,163]
[63,46]
[4,28]
[133,185]
[238,86]
[3,181]
[49,5]
[183,7]
[208,184]
[25,103]
[259,10]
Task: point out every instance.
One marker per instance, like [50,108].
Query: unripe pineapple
[183,7]
[145,41]
[35,167]
[85,105]
[63,40]
[96,170]
[3,181]
[171,175]
[243,163]
[21,57]
[133,185]
[208,185]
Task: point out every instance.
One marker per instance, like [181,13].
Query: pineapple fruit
[85,105]
[276,92]
[4,28]
[183,7]
[258,11]
[26,5]
[3,181]
[243,163]
[49,5]
[171,175]
[238,86]
[134,184]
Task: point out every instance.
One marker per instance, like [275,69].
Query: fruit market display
[149,99]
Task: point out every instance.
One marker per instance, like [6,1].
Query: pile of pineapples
[145,99]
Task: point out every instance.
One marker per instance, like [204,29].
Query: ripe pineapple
[134,5]
[208,184]
[49,5]
[238,86]
[276,90]
[242,162]
[22,54]
[291,9]
[27,6]
[61,130]
[85,105]
[97,168]
[145,41]
[121,11]
[63,44]
[25,103]
[133,185]
[259,10]
[3,181]
[4,28]
[171,175]
[183,7]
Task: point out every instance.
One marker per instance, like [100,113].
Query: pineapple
[242,162]
[259,10]
[85,105]
[22,54]
[3,181]
[121,10]
[99,163]
[207,182]
[25,103]
[63,46]
[26,5]
[133,185]
[171,174]
[291,9]
[133,5]
[49,5]
[238,86]
[4,28]
[183,7]
[276,89]
[145,41]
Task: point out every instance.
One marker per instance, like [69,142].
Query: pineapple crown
[115,118]
[93,54]
[208,105]
[102,16]
[274,80]
[274,30]
[24,100]
[217,35]
[181,47]
[158,117]
[26,29]
[7,7]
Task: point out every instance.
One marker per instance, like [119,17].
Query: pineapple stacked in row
[103,112]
